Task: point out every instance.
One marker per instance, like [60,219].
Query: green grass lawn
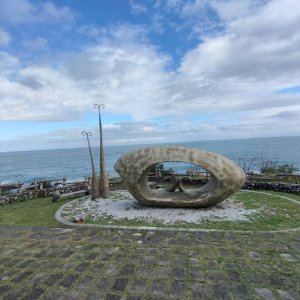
[34,212]
[278,214]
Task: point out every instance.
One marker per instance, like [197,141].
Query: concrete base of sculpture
[225,176]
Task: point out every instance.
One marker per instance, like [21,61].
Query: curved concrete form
[225,176]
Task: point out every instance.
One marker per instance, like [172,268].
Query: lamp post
[104,185]
[94,183]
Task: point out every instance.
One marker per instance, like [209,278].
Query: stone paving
[91,263]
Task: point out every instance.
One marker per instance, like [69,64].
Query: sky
[166,71]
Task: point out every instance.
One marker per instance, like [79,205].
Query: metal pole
[94,183]
[87,134]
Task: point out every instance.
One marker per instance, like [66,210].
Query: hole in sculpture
[165,175]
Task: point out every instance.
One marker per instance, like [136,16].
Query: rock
[55,196]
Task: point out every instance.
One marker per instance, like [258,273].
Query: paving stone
[235,276]
[134,297]
[63,237]
[241,292]
[82,267]
[113,270]
[85,283]
[264,293]
[178,273]
[178,289]
[213,265]
[26,263]
[98,267]
[284,269]
[4,289]
[278,246]
[92,296]
[139,285]
[22,276]
[296,245]
[66,254]
[288,257]
[254,255]
[112,297]
[220,292]
[161,272]
[253,278]
[34,294]
[69,280]
[196,275]
[284,295]
[120,284]
[68,266]
[53,278]
[163,263]
[150,258]
[277,280]
[37,278]
[158,287]
[194,262]
[216,276]
[93,256]
[103,283]
[127,269]
[143,271]
[199,291]
[71,295]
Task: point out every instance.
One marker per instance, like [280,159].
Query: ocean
[74,164]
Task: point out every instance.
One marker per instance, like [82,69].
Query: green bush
[272,168]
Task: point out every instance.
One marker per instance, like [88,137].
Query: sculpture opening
[225,177]
[177,176]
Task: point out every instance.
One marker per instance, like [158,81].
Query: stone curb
[61,220]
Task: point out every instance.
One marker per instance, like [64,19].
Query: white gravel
[125,207]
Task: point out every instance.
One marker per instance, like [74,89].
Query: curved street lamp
[94,183]
[104,185]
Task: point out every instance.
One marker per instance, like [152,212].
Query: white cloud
[36,44]
[263,46]
[229,10]
[5,38]
[16,11]
[24,11]
[129,76]
[233,74]
[8,64]
[137,8]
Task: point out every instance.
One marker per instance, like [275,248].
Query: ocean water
[74,164]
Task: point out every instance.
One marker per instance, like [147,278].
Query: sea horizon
[156,143]
[74,163]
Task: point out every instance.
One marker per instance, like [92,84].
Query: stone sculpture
[225,176]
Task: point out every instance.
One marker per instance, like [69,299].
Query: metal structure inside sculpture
[225,176]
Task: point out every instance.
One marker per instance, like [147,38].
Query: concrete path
[91,263]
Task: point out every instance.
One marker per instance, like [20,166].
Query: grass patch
[33,212]
[274,213]
[292,196]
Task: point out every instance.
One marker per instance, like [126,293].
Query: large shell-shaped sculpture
[225,176]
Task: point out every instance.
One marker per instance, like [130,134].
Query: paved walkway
[91,263]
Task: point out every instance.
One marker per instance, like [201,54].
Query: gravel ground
[123,206]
